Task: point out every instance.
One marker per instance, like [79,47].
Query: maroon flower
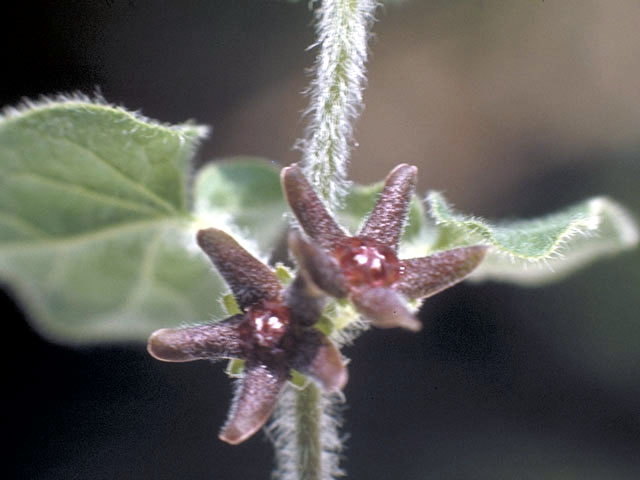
[365,268]
[273,335]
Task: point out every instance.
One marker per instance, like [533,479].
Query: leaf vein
[131,182]
[83,190]
[22,224]
[83,238]
[145,274]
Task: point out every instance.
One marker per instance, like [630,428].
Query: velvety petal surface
[304,301]
[322,269]
[426,276]
[253,403]
[314,218]
[250,280]
[318,358]
[384,308]
[387,219]
[213,342]
[328,367]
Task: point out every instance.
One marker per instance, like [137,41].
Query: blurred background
[512,108]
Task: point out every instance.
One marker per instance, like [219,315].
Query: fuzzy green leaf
[95,237]
[538,250]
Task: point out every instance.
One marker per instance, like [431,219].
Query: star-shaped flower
[274,334]
[365,267]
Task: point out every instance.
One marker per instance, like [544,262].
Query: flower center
[265,324]
[365,262]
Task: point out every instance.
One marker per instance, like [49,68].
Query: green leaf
[538,250]
[360,201]
[92,215]
[95,237]
[243,196]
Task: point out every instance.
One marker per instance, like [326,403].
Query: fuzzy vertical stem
[336,93]
[305,427]
[304,430]
[308,433]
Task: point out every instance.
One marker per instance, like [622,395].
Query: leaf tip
[625,225]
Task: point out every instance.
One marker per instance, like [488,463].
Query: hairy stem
[305,427]
[308,417]
[304,431]
[336,93]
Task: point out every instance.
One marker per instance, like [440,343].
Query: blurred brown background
[513,108]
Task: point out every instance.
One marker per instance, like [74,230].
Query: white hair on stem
[304,431]
[336,94]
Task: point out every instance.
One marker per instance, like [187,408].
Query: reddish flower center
[265,324]
[365,262]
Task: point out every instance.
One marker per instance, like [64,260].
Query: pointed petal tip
[481,250]
[425,276]
[388,218]
[232,435]
[165,345]
[404,173]
[329,368]
[400,319]
[411,169]
[316,266]
[207,236]
[204,231]
[470,257]
[309,209]
[294,240]
[294,183]
[337,384]
[253,403]
[290,173]
[339,381]
[413,324]
[478,253]
[385,309]
[299,246]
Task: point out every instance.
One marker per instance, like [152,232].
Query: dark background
[512,108]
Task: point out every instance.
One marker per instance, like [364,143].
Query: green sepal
[231,305]
[298,380]
[235,367]
[284,273]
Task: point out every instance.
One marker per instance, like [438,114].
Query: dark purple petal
[387,219]
[318,358]
[304,302]
[327,367]
[213,342]
[384,308]
[425,276]
[309,209]
[318,266]
[253,402]
[250,280]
